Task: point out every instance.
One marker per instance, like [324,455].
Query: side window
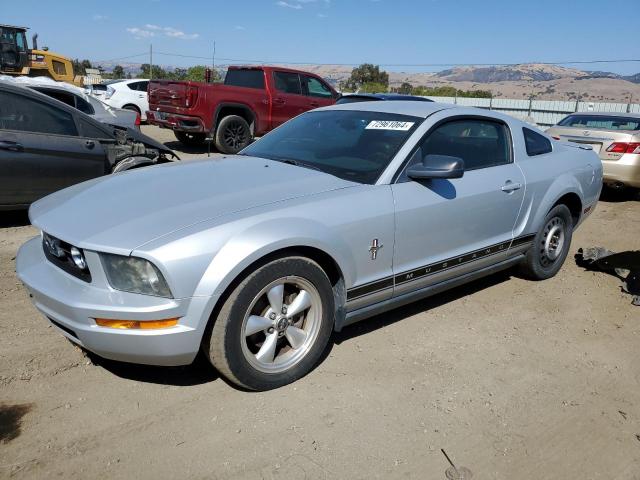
[21,42]
[287,82]
[59,68]
[479,143]
[133,85]
[535,143]
[22,113]
[84,106]
[91,131]
[142,86]
[315,88]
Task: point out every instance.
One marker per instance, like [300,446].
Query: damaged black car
[46,146]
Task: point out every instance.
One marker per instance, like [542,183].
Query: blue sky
[338,31]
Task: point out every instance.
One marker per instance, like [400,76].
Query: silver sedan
[340,214]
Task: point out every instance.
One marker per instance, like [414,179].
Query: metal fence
[543,113]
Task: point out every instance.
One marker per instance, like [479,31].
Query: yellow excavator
[16,58]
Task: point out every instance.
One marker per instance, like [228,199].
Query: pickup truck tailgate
[172,94]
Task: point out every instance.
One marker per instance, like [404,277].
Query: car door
[288,98]
[41,150]
[318,93]
[445,228]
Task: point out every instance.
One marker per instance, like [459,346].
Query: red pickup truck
[252,101]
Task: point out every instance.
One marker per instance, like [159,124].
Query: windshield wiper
[298,163]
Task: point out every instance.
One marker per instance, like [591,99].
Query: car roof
[404,107]
[387,96]
[607,114]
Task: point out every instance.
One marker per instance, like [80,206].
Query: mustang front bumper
[73,305]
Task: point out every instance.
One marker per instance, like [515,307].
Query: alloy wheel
[235,135]
[281,324]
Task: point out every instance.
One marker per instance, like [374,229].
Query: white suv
[128,94]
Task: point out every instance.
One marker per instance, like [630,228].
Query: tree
[406,88]
[80,67]
[373,87]
[367,73]
[118,72]
[145,71]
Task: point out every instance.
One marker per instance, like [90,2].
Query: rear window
[604,122]
[245,78]
[535,143]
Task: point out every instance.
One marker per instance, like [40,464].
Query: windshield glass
[604,122]
[352,145]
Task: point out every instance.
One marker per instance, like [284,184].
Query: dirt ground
[513,379]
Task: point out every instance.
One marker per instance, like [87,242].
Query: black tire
[540,263]
[232,134]
[190,139]
[133,108]
[227,344]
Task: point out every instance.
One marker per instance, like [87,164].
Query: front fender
[249,245]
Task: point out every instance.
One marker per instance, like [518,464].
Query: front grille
[58,252]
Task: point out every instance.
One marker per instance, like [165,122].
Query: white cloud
[98,18]
[151,30]
[239,27]
[140,33]
[322,15]
[295,6]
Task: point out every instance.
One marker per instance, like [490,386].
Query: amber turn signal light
[137,324]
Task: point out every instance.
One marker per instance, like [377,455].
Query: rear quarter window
[535,143]
[245,78]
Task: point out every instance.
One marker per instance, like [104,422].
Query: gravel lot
[514,379]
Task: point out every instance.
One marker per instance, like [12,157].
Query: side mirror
[437,166]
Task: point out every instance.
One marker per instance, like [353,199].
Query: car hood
[123,211]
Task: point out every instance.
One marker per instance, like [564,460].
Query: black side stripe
[432,269]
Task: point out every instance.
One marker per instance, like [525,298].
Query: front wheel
[274,326]
[550,245]
[232,134]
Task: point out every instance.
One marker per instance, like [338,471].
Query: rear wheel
[550,246]
[190,139]
[232,134]
[274,326]
[133,108]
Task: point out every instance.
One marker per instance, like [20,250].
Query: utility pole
[150,61]
[213,58]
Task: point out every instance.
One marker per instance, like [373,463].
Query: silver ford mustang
[340,214]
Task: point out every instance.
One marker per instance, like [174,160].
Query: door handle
[279,101]
[511,186]
[11,146]
[315,104]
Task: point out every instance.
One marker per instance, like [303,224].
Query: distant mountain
[536,72]
[632,78]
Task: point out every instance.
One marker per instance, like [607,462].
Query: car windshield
[603,122]
[352,145]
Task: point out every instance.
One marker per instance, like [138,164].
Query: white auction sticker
[389,125]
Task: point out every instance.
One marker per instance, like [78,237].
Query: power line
[570,62]
[122,58]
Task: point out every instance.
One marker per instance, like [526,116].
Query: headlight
[134,275]
[78,258]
